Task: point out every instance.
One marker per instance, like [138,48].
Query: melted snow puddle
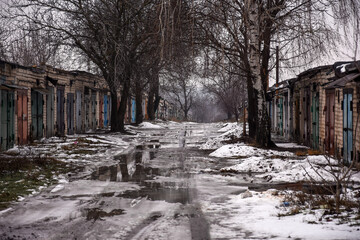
[171,185]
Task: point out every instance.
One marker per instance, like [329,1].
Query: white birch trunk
[255,68]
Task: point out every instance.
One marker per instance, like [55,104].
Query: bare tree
[179,84]
[27,43]
[2,47]
[347,20]
[109,33]
[3,31]
[230,91]
[247,32]
[34,48]
[174,41]
[206,107]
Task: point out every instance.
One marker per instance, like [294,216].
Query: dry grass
[21,175]
[84,140]
[314,152]
[301,153]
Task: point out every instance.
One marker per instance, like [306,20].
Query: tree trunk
[153,98]
[138,100]
[236,114]
[123,103]
[263,134]
[186,112]
[157,101]
[252,107]
[337,197]
[114,123]
[244,120]
[150,106]
[229,114]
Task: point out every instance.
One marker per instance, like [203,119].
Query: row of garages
[320,109]
[39,102]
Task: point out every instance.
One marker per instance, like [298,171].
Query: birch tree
[247,32]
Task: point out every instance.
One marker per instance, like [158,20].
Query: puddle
[136,167]
[126,171]
[97,213]
[162,174]
[166,191]
[152,144]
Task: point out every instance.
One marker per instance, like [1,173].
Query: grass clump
[314,152]
[301,153]
[21,176]
[84,140]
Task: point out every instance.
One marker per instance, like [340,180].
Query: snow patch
[228,127]
[5,211]
[148,125]
[290,145]
[15,150]
[242,150]
[57,188]
[343,67]
[286,170]
[229,131]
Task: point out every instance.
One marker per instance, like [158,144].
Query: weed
[313,152]
[67,147]
[84,140]
[301,153]
[20,176]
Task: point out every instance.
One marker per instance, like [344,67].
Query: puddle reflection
[130,168]
[170,192]
[134,167]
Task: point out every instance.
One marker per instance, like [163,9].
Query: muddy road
[159,188]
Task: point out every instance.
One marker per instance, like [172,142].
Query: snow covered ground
[148,125]
[267,214]
[226,132]
[255,215]
[157,184]
[76,148]
[243,150]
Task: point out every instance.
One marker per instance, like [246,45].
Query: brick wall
[312,80]
[32,77]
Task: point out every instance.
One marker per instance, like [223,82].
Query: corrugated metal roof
[13,86]
[341,82]
[315,70]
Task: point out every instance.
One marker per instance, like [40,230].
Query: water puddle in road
[136,167]
[167,175]
[167,191]
[97,213]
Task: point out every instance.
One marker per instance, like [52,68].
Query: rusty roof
[315,70]
[341,82]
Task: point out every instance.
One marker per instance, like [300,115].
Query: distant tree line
[144,45]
